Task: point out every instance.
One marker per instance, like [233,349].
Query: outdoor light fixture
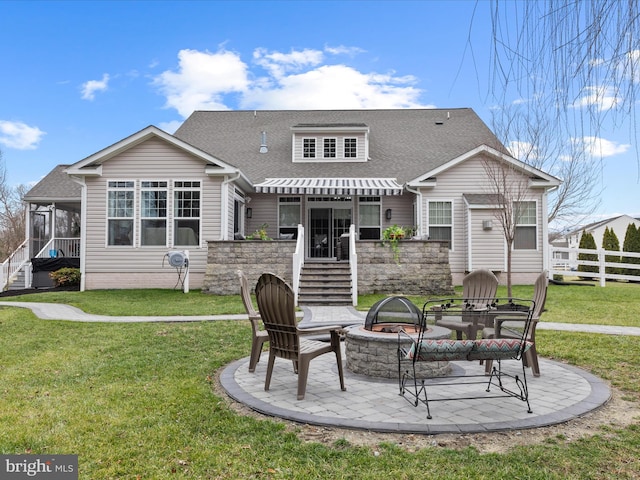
[388,213]
[249,212]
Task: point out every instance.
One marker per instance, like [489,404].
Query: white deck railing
[63,247]
[13,264]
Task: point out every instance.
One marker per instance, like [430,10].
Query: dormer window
[329,148]
[309,147]
[330,142]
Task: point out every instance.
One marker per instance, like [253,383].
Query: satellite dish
[177,259]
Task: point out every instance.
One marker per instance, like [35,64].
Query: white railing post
[298,262]
[353,264]
[602,268]
[185,283]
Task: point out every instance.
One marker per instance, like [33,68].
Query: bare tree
[536,143]
[575,53]
[508,189]
[12,214]
[570,65]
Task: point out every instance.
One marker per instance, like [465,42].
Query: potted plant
[260,233]
[392,235]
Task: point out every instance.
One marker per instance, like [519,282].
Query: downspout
[419,208]
[469,240]
[224,214]
[83,229]
[545,229]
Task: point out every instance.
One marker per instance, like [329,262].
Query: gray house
[314,180]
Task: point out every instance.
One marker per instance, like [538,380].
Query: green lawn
[137,401]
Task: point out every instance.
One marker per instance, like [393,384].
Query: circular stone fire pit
[375,354]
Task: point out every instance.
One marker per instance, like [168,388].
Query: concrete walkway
[561,393]
[311,316]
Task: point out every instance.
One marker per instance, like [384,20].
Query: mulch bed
[26,291]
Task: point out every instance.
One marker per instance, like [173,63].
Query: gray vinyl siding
[264,211]
[402,210]
[153,159]
[487,249]
[469,177]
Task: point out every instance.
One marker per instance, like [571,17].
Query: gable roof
[537,178]
[600,223]
[403,143]
[92,165]
[55,186]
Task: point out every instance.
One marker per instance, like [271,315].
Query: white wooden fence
[564,261]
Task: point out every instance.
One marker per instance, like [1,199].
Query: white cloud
[201,81]
[170,127]
[90,88]
[598,147]
[19,135]
[334,87]
[524,151]
[342,50]
[300,79]
[603,98]
[280,63]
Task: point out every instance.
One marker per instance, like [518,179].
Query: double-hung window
[120,212]
[526,225]
[441,221]
[288,217]
[369,218]
[186,213]
[153,213]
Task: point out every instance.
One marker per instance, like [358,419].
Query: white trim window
[153,213]
[120,212]
[369,218]
[308,148]
[186,213]
[526,221]
[440,221]
[289,217]
[350,147]
[329,147]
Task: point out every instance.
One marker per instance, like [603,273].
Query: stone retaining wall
[420,267]
[253,257]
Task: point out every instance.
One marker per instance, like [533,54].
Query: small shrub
[587,242]
[66,277]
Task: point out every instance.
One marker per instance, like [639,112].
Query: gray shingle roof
[56,185]
[403,144]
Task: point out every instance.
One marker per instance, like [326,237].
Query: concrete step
[325,283]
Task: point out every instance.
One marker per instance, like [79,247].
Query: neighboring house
[572,239]
[225,174]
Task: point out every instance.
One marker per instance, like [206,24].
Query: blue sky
[78,76]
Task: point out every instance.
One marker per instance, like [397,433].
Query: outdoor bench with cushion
[413,349]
